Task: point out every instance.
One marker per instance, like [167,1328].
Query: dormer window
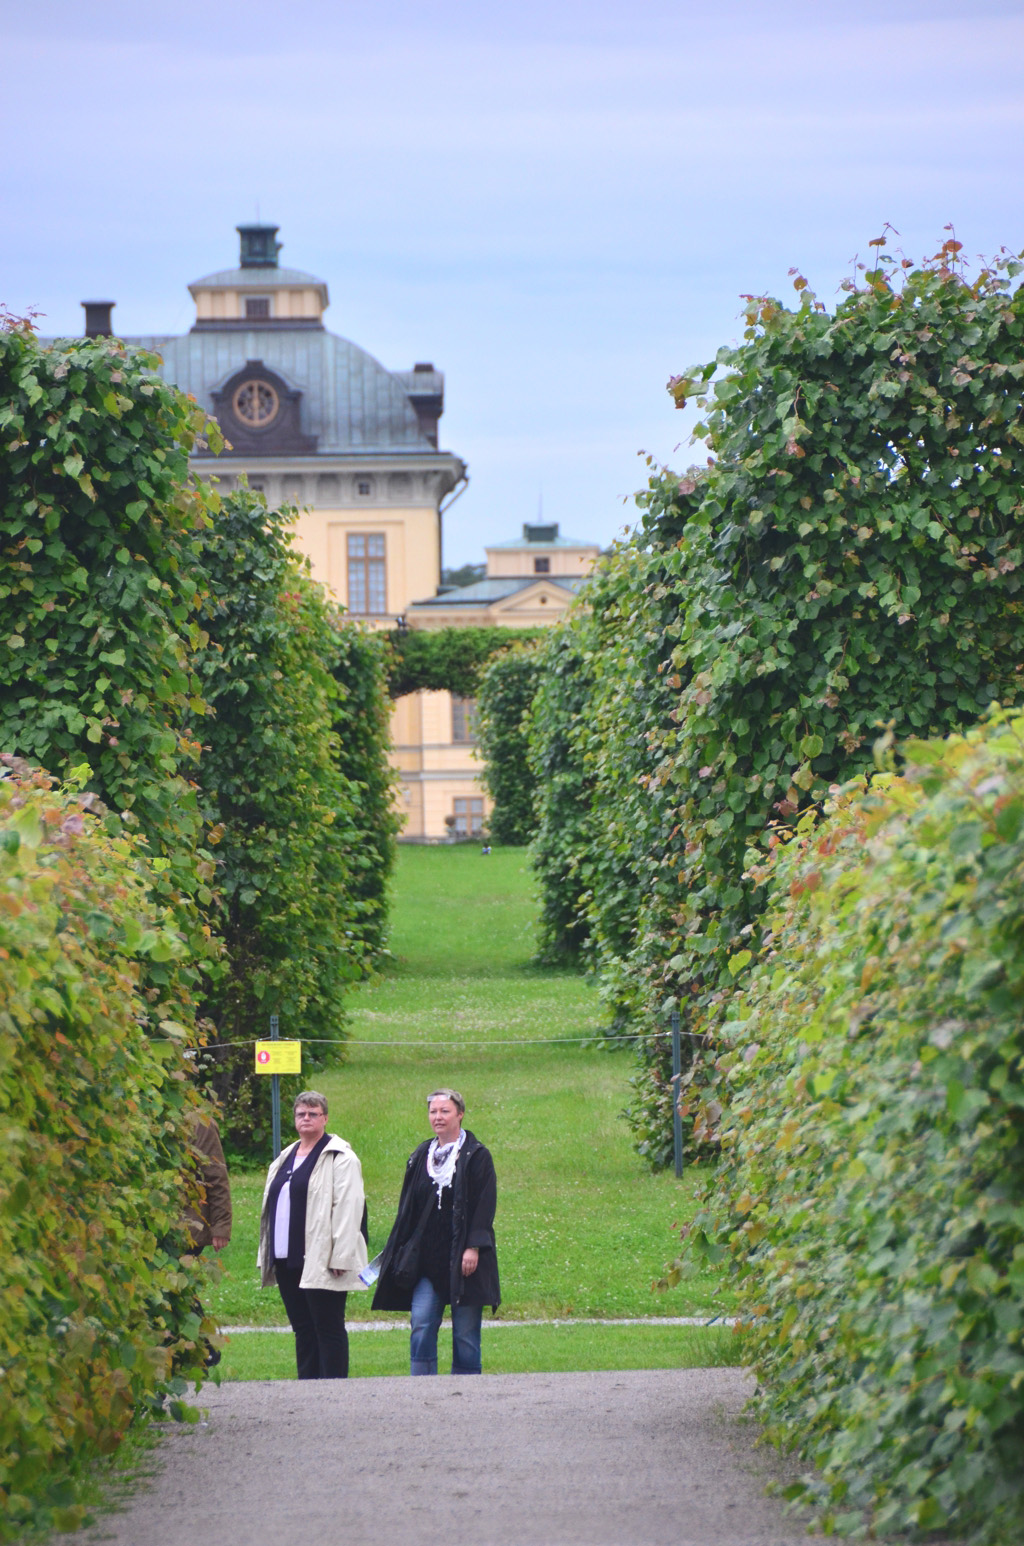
[257,307]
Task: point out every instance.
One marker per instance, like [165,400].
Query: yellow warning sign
[279,1057]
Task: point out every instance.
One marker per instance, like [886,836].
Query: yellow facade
[528,584]
[313,421]
[561,559]
[300,301]
[411,558]
[439,776]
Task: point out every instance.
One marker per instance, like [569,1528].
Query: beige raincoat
[334,1212]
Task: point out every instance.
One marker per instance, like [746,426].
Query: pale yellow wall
[411,549]
[434,770]
[296,301]
[516,563]
[407,731]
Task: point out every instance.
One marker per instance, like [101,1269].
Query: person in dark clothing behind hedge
[311,1238]
[208,1216]
[441,1249]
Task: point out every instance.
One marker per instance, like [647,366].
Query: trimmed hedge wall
[852,555]
[870,1201]
[98,1310]
[446,659]
[171,638]
[505,695]
[164,650]
[563,795]
[293,780]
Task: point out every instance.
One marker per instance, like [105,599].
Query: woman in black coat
[441,1249]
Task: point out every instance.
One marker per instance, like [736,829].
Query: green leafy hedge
[504,699]
[173,641]
[562,843]
[99,526]
[852,555]
[294,791]
[362,728]
[870,1201]
[445,659]
[602,699]
[97,1307]
[100,539]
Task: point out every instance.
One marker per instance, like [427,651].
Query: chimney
[258,247]
[97,319]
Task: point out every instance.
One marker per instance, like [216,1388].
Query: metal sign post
[275,1094]
[677,1069]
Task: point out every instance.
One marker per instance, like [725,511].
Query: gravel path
[643,1458]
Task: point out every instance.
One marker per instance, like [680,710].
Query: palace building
[315,421]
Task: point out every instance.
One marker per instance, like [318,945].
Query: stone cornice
[396,480]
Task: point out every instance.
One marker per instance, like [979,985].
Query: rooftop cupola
[259,247]
[259,294]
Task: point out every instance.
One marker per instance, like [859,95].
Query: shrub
[99,1309]
[445,659]
[300,846]
[851,556]
[100,533]
[505,694]
[562,844]
[870,1199]
[362,727]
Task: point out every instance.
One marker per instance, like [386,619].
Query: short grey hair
[446,1094]
[310,1098]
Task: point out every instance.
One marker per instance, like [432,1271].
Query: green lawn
[582,1228]
[513,1350]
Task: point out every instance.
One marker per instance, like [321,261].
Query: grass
[506,1350]
[582,1228]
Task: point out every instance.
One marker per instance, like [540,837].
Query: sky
[559,204]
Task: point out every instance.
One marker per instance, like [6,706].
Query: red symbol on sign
[263,1057]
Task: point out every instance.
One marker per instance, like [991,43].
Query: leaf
[965,840]
[28,826]
[963,1103]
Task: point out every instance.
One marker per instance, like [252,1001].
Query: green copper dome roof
[349,401]
[260,278]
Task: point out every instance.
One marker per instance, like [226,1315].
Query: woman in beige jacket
[311,1242]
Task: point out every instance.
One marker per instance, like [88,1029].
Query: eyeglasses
[311,1115]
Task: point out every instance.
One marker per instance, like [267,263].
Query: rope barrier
[483,1041]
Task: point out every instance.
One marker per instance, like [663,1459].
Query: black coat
[474,1199]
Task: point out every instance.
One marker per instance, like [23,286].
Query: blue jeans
[427,1310]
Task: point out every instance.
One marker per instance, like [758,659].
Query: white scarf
[442,1174]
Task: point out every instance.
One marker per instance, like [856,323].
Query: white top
[283,1218]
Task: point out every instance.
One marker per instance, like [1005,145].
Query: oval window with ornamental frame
[256,404]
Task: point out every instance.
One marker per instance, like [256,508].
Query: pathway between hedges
[637,1458]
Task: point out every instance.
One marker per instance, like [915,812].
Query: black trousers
[317,1317]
